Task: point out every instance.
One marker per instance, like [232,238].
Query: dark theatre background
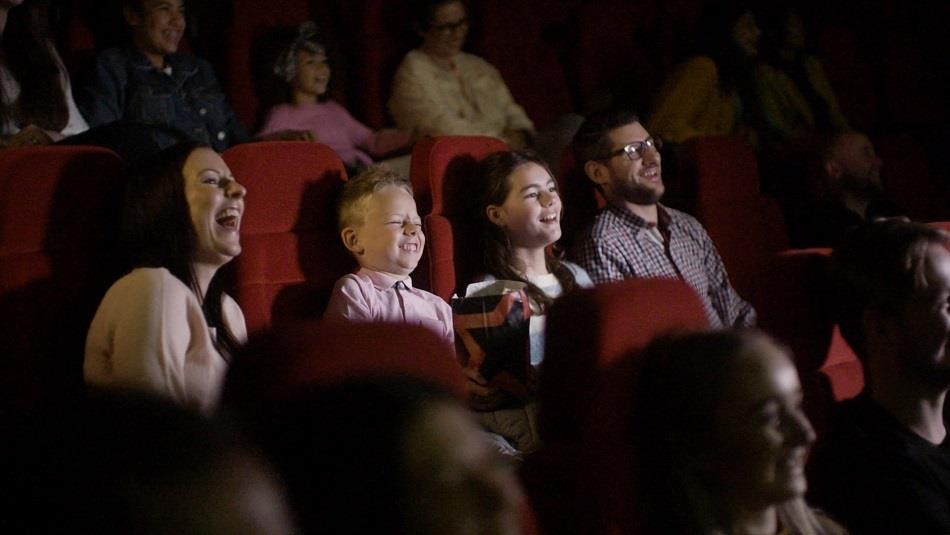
[886,60]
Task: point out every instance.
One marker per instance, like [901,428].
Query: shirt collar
[383,281]
[663,217]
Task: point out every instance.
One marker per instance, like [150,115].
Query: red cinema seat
[746,227]
[306,353]
[378,34]
[590,329]
[303,353]
[440,167]
[509,36]
[59,225]
[797,313]
[607,459]
[842,368]
[588,332]
[611,29]
[292,253]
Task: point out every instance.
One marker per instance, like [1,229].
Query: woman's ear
[351,240]
[496,214]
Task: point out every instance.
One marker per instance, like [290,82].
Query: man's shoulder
[680,220]
[680,216]
[606,221]
[873,473]
[864,428]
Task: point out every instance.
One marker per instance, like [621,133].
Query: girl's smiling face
[313,74]
[531,213]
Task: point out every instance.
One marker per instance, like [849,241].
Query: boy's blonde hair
[351,209]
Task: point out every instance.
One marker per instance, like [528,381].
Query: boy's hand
[481,397]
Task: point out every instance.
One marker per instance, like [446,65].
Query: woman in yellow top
[793,91]
[709,94]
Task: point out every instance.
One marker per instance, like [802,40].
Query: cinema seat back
[292,253]
[442,168]
[59,226]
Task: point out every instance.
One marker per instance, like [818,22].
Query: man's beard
[640,194]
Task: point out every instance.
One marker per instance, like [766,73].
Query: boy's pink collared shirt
[370,296]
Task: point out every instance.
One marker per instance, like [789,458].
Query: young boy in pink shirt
[379,224]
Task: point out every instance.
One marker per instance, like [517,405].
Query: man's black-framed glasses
[635,150]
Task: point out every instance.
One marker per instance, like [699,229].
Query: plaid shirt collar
[664,219]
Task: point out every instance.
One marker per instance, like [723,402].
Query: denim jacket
[125,86]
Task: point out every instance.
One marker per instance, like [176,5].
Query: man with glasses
[635,235]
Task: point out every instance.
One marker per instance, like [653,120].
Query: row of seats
[557,56]
[58,254]
[58,239]
[59,245]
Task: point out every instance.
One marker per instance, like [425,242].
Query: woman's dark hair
[342,450]
[773,21]
[733,67]
[29,55]
[493,187]
[157,230]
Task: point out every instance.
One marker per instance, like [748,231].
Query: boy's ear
[351,240]
[496,215]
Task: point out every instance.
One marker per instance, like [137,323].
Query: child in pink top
[380,226]
[303,65]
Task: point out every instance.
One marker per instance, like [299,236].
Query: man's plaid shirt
[621,244]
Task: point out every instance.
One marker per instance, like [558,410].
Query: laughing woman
[167,326]
[723,438]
